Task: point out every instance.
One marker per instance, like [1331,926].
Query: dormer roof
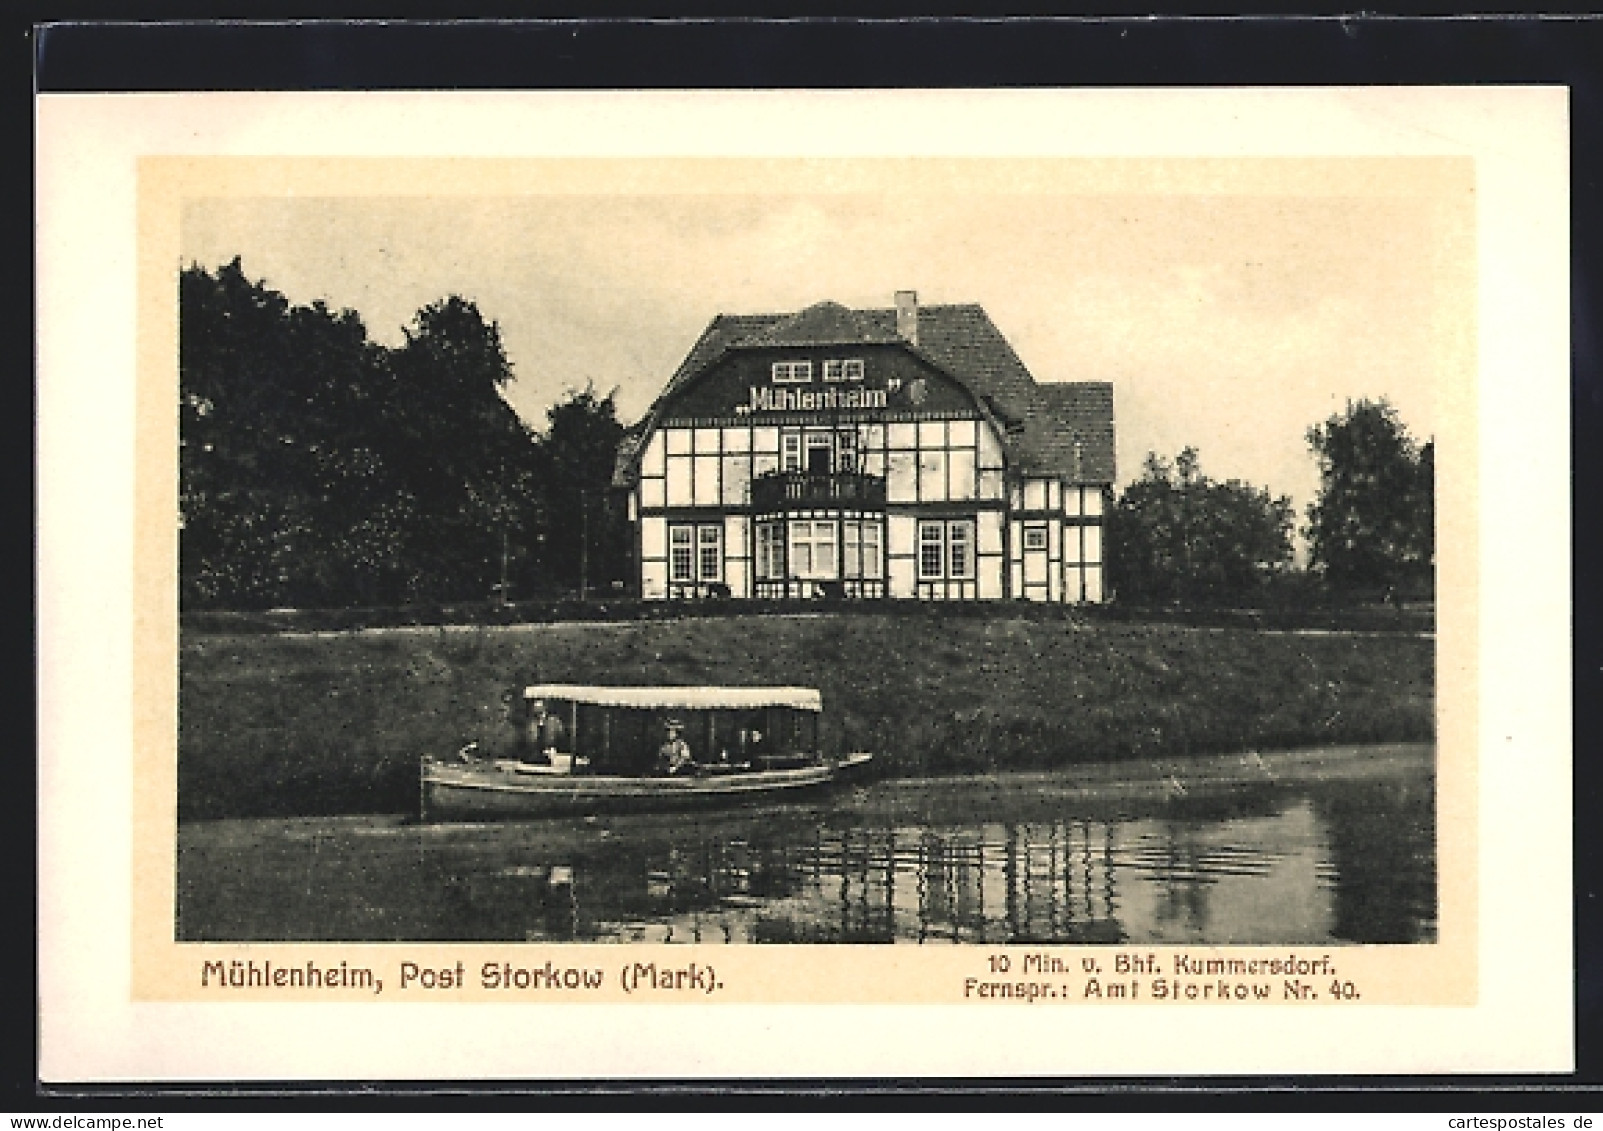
[1060,429]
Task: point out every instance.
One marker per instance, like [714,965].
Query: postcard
[579,585]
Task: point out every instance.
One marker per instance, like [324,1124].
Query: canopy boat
[608,748]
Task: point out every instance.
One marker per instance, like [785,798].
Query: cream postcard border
[102,158]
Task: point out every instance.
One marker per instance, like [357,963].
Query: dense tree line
[318,468]
[1176,535]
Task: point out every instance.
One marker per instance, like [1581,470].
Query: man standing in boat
[673,756]
[529,738]
[544,733]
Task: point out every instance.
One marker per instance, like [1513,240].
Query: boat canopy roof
[682,698]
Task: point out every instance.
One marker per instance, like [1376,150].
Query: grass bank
[281,724]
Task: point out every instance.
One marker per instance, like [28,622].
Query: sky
[1230,323]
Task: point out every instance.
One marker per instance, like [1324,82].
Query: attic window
[849,370]
[792,372]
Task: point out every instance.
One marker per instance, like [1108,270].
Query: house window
[1035,537]
[946,550]
[770,551]
[812,550]
[790,447]
[960,549]
[861,556]
[680,560]
[695,552]
[710,556]
[931,549]
[792,372]
[851,370]
[846,450]
[820,452]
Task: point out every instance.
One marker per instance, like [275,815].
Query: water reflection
[1344,862]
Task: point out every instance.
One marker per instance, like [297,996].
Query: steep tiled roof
[1071,431]
[822,324]
[623,461]
[1053,429]
[723,330]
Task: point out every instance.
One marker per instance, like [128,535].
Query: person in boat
[673,756]
[543,733]
[523,735]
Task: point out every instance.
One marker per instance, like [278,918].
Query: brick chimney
[907,316]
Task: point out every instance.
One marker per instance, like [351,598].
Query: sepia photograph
[915,566]
[595,596]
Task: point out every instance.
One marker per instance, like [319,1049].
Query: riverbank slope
[274,725]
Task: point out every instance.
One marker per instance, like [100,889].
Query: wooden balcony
[797,490]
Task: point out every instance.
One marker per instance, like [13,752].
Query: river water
[1340,852]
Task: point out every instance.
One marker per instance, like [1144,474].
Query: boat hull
[475,791]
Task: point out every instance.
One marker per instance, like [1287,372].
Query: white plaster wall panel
[679,481]
[678,441]
[962,474]
[901,577]
[989,533]
[651,461]
[932,476]
[653,493]
[706,493]
[901,531]
[737,536]
[737,578]
[653,537]
[737,480]
[990,448]
[990,578]
[653,580]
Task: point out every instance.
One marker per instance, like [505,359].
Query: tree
[587,545]
[469,463]
[271,484]
[1372,527]
[1175,534]
[319,468]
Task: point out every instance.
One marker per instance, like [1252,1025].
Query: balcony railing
[792,490]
